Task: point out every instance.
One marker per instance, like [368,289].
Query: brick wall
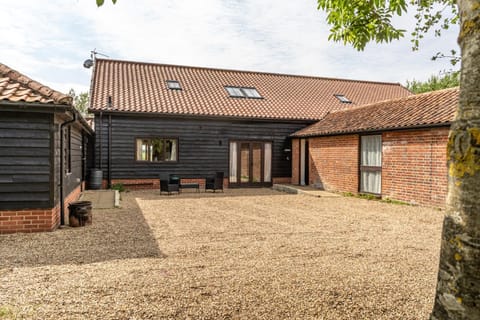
[334,162]
[28,220]
[284,180]
[414,166]
[135,184]
[35,220]
[144,184]
[295,161]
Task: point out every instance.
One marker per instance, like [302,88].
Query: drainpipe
[84,160]
[109,105]
[62,168]
[100,140]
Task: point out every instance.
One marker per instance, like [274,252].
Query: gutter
[342,133]
[203,117]
[62,167]
[36,107]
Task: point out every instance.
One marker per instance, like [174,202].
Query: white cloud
[50,40]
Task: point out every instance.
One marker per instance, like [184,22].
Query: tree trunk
[458,286]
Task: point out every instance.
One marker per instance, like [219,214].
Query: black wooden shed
[43,141]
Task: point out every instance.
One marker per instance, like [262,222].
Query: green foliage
[118,186]
[358,22]
[101,2]
[362,21]
[454,58]
[393,201]
[368,196]
[436,15]
[6,312]
[448,80]
[80,102]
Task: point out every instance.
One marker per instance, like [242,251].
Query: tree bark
[458,287]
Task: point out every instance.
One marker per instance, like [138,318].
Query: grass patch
[393,201]
[6,312]
[367,196]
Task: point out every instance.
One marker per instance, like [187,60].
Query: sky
[49,40]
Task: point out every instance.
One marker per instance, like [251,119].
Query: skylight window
[251,92]
[174,85]
[242,92]
[342,98]
[235,92]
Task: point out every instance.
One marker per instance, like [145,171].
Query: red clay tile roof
[141,87]
[426,109]
[16,87]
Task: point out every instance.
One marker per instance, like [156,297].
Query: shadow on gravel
[120,233]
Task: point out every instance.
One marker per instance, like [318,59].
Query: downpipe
[62,168]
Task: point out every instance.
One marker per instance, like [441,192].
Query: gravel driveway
[245,254]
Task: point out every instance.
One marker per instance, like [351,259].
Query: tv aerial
[93,56]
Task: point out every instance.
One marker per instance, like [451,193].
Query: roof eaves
[203,116]
[369,130]
[39,107]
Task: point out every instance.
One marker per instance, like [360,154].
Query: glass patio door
[250,163]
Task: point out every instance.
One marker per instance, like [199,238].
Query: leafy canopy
[80,101]
[358,22]
[448,80]
[101,2]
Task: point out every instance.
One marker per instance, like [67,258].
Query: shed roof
[142,88]
[421,110]
[16,87]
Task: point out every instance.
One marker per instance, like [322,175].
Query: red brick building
[395,149]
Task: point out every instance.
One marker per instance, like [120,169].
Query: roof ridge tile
[141,88]
[246,71]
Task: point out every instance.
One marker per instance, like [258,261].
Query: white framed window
[156,149]
[371,164]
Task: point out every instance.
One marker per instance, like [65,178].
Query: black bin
[95,179]
[80,213]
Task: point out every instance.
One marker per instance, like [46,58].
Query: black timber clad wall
[74,178]
[203,144]
[25,164]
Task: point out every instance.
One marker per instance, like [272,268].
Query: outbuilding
[394,149]
[43,141]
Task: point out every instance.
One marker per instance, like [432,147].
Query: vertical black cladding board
[25,160]
[203,144]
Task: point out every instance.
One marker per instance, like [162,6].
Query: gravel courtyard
[245,254]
